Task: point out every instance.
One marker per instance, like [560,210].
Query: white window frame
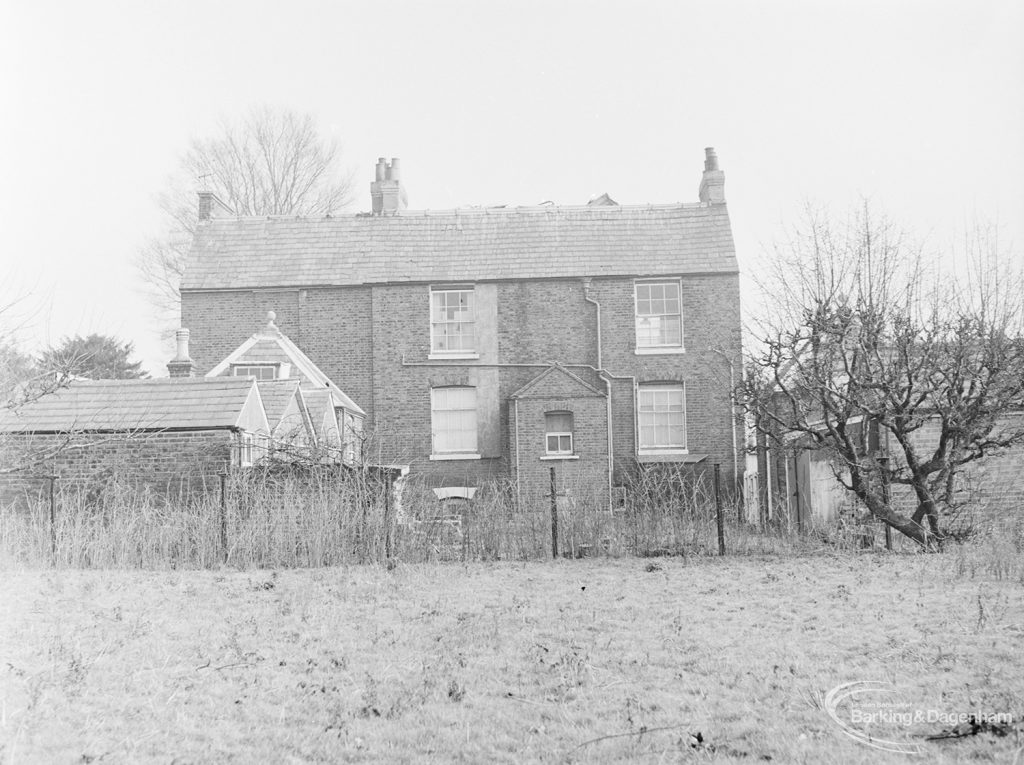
[457,353]
[274,368]
[663,348]
[469,451]
[660,448]
[245,449]
[559,435]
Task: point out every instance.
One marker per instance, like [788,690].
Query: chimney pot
[181,365]
[712,183]
[710,159]
[386,193]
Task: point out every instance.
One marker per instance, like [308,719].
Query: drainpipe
[732,421]
[515,413]
[608,391]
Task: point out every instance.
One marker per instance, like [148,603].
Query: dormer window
[259,371]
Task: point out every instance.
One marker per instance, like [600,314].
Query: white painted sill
[560,457]
[441,355]
[662,452]
[659,351]
[444,457]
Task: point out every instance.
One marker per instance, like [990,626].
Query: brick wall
[359,337]
[583,478]
[167,463]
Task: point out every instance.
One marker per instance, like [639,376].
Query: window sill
[442,355]
[460,456]
[659,351]
[560,457]
[666,455]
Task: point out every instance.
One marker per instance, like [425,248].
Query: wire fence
[327,517]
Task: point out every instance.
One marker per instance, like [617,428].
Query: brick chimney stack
[712,184]
[181,365]
[211,207]
[386,192]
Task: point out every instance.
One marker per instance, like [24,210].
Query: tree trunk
[909,527]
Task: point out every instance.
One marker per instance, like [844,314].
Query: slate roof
[276,395]
[273,346]
[320,405]
[115,405]
[476,244]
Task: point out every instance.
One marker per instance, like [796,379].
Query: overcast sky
[916,105]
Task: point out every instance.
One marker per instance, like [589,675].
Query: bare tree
[865,340]
[272,162]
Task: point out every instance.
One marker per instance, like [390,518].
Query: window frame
[656,448]
[275,368]
[461,353]
[454,454]
[661,348]
[246,448]
[559,434]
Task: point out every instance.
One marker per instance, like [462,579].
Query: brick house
[493,343]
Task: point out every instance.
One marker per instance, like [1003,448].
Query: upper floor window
[558,433]
[453,420]
[659,317]
[452,321]
[662,416]
[259,371]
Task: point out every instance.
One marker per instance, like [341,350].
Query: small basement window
[558,433]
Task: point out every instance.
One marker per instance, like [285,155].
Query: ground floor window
[662,416]
[558,433]
[453,420]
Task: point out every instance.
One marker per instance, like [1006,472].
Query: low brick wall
[168,463]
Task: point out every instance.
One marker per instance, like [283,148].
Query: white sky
[917,105]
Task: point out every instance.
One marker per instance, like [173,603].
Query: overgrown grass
[325,518]
[596,660]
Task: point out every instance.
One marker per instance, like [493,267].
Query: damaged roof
[477,243]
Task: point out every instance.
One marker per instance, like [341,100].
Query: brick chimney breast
[386,192]
[712,183]
[210,206]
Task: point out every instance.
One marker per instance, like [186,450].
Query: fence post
[53,520]
[884,461]
[224,516]
[718,510]
[388,488]
[554,517]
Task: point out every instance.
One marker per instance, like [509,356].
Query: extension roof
[557,382]
[277,395]
[456,245]
[271,346]
[136,405]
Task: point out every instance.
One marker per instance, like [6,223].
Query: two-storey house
[492,344]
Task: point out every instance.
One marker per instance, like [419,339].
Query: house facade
[492,344]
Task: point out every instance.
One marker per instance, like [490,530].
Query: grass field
[566,661]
